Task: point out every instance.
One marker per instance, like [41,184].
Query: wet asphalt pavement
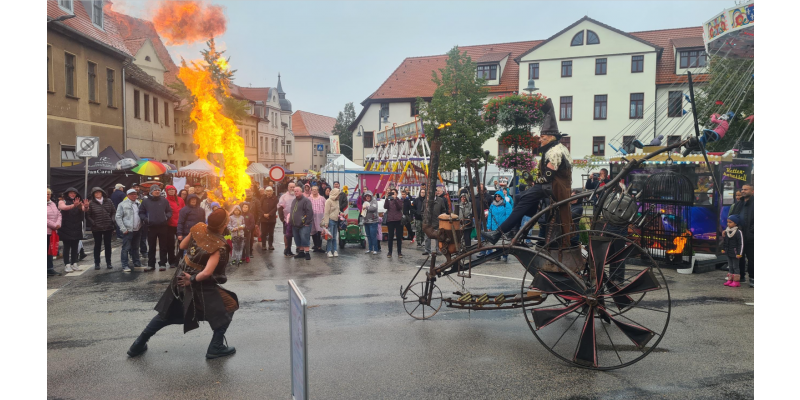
[362,344]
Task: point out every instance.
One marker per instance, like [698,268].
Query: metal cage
[665,204]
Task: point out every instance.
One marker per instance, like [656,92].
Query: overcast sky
[331,53]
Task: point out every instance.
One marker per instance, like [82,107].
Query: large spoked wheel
[616,320]
[419,304]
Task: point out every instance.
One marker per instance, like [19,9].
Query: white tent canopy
[200,167]
[334,171]
[258,172]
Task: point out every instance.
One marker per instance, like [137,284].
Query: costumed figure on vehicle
[554,180]
[195,293]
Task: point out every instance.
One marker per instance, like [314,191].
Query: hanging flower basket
[520,138]
[515,110]
[520,160]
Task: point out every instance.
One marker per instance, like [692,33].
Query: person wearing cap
[155,211]
[301,217]
[195,294]
[555,179]
[116,198]
[127,218]
[143,230]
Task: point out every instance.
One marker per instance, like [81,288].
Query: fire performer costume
[555,179]
[195,293]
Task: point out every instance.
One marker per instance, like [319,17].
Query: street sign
[298,342]
[277,173]
[86,146]
[320,147]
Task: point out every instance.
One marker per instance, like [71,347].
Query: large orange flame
[185,22]
[215,132]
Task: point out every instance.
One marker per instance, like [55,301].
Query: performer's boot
[139,345]
[216,348]
[492,236]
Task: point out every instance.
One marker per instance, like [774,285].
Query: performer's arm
[185,242]
[211,265]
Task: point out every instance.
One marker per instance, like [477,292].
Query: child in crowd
[733,246]
[237,228]
[249,226]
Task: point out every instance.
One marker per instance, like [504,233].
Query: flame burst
[185,22]
[215,132]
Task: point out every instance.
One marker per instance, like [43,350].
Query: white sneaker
[374,253]
[76,268]
[68,268]
[330,255]
[367,252]
[336,254]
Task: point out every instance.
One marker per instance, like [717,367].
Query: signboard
[86,146]
[298,342]
[277,173]
[335,144]
[320,147]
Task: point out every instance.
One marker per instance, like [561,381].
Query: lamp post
[361,135]
[530,89]
[62,18]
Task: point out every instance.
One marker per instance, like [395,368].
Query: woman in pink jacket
[53,223]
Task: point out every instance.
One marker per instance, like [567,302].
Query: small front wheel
[421,303]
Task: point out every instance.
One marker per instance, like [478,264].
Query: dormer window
[97,13]
[577,40]
[66,5]
[488,72]
[592,38]
[693,59]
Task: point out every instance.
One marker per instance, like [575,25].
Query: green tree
[458,99]
[343,121]
[730,82]
[222,76]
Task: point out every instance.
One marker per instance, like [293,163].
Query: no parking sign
[276,173]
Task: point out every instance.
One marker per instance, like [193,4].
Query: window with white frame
[66,5]
[488,72]
[97,13]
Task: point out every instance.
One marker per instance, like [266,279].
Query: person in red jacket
[175,203]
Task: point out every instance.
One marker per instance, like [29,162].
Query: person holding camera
[597,180]
[394,215]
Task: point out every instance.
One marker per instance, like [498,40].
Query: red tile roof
[492,57]
[82,24]
[135,32]
[413,77]
[255,94]
[682,43]
[665,71]
[306,124]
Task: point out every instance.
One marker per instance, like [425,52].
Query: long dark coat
[200,301]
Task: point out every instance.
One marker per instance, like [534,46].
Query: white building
[603,81]
[275,137]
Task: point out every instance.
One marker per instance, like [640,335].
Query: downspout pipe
[124,115]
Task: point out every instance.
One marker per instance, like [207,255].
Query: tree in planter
[518,114]
[458,99]
[343,121]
